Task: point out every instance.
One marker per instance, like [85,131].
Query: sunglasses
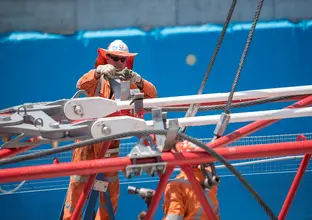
[117,58]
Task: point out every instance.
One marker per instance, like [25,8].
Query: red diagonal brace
[294,186]
[157,196]
[199,192]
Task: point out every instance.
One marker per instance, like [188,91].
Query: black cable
[242,61]
[193,108]
[180,136]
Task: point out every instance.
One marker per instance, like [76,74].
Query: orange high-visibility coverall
[180,200]
[77,183]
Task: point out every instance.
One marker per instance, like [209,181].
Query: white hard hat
[118,47]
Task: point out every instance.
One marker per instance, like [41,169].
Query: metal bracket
[121,89]
[116,88]
[158,124]
[39,124]
[171,135]
[143,151]
[164,118]
[116,125]
[137,100]
[125,92]
[149,168]
[100,185]
[84,108]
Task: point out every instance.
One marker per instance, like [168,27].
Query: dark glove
[130,75]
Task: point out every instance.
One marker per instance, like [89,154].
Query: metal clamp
[40,124]
[222,124]
[121,89]
[158,124]
[170,142]
[142,151]
[149,168]
[137,100]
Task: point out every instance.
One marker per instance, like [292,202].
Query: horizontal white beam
[122,124]
[97,107]
[220,97]
[243,117]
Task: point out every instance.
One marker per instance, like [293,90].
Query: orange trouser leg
[77,182]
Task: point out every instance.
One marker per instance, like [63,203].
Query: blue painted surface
[42,67]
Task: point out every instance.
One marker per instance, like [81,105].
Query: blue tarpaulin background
[45,67]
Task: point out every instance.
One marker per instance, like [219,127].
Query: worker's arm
[88,82]
[174,207]
[145,87]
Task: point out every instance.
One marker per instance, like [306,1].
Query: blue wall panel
[41,67]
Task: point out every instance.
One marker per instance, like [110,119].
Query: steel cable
[194,107]
[242,61]
[222,106]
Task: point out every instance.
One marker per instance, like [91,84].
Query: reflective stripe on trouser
[77,184]
[200,210]
[174,217]
[76,188]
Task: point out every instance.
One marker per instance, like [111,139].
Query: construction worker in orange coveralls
[180,200]
[108,62]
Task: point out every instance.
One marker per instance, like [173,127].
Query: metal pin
[55,125]
[78,110]
[106,130]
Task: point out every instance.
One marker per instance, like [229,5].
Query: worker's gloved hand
[130,75]
[107,71]
[142,215]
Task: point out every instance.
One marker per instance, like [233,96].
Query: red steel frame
[180,159]
[294,186]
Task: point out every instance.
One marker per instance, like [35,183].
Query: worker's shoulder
[89,73]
